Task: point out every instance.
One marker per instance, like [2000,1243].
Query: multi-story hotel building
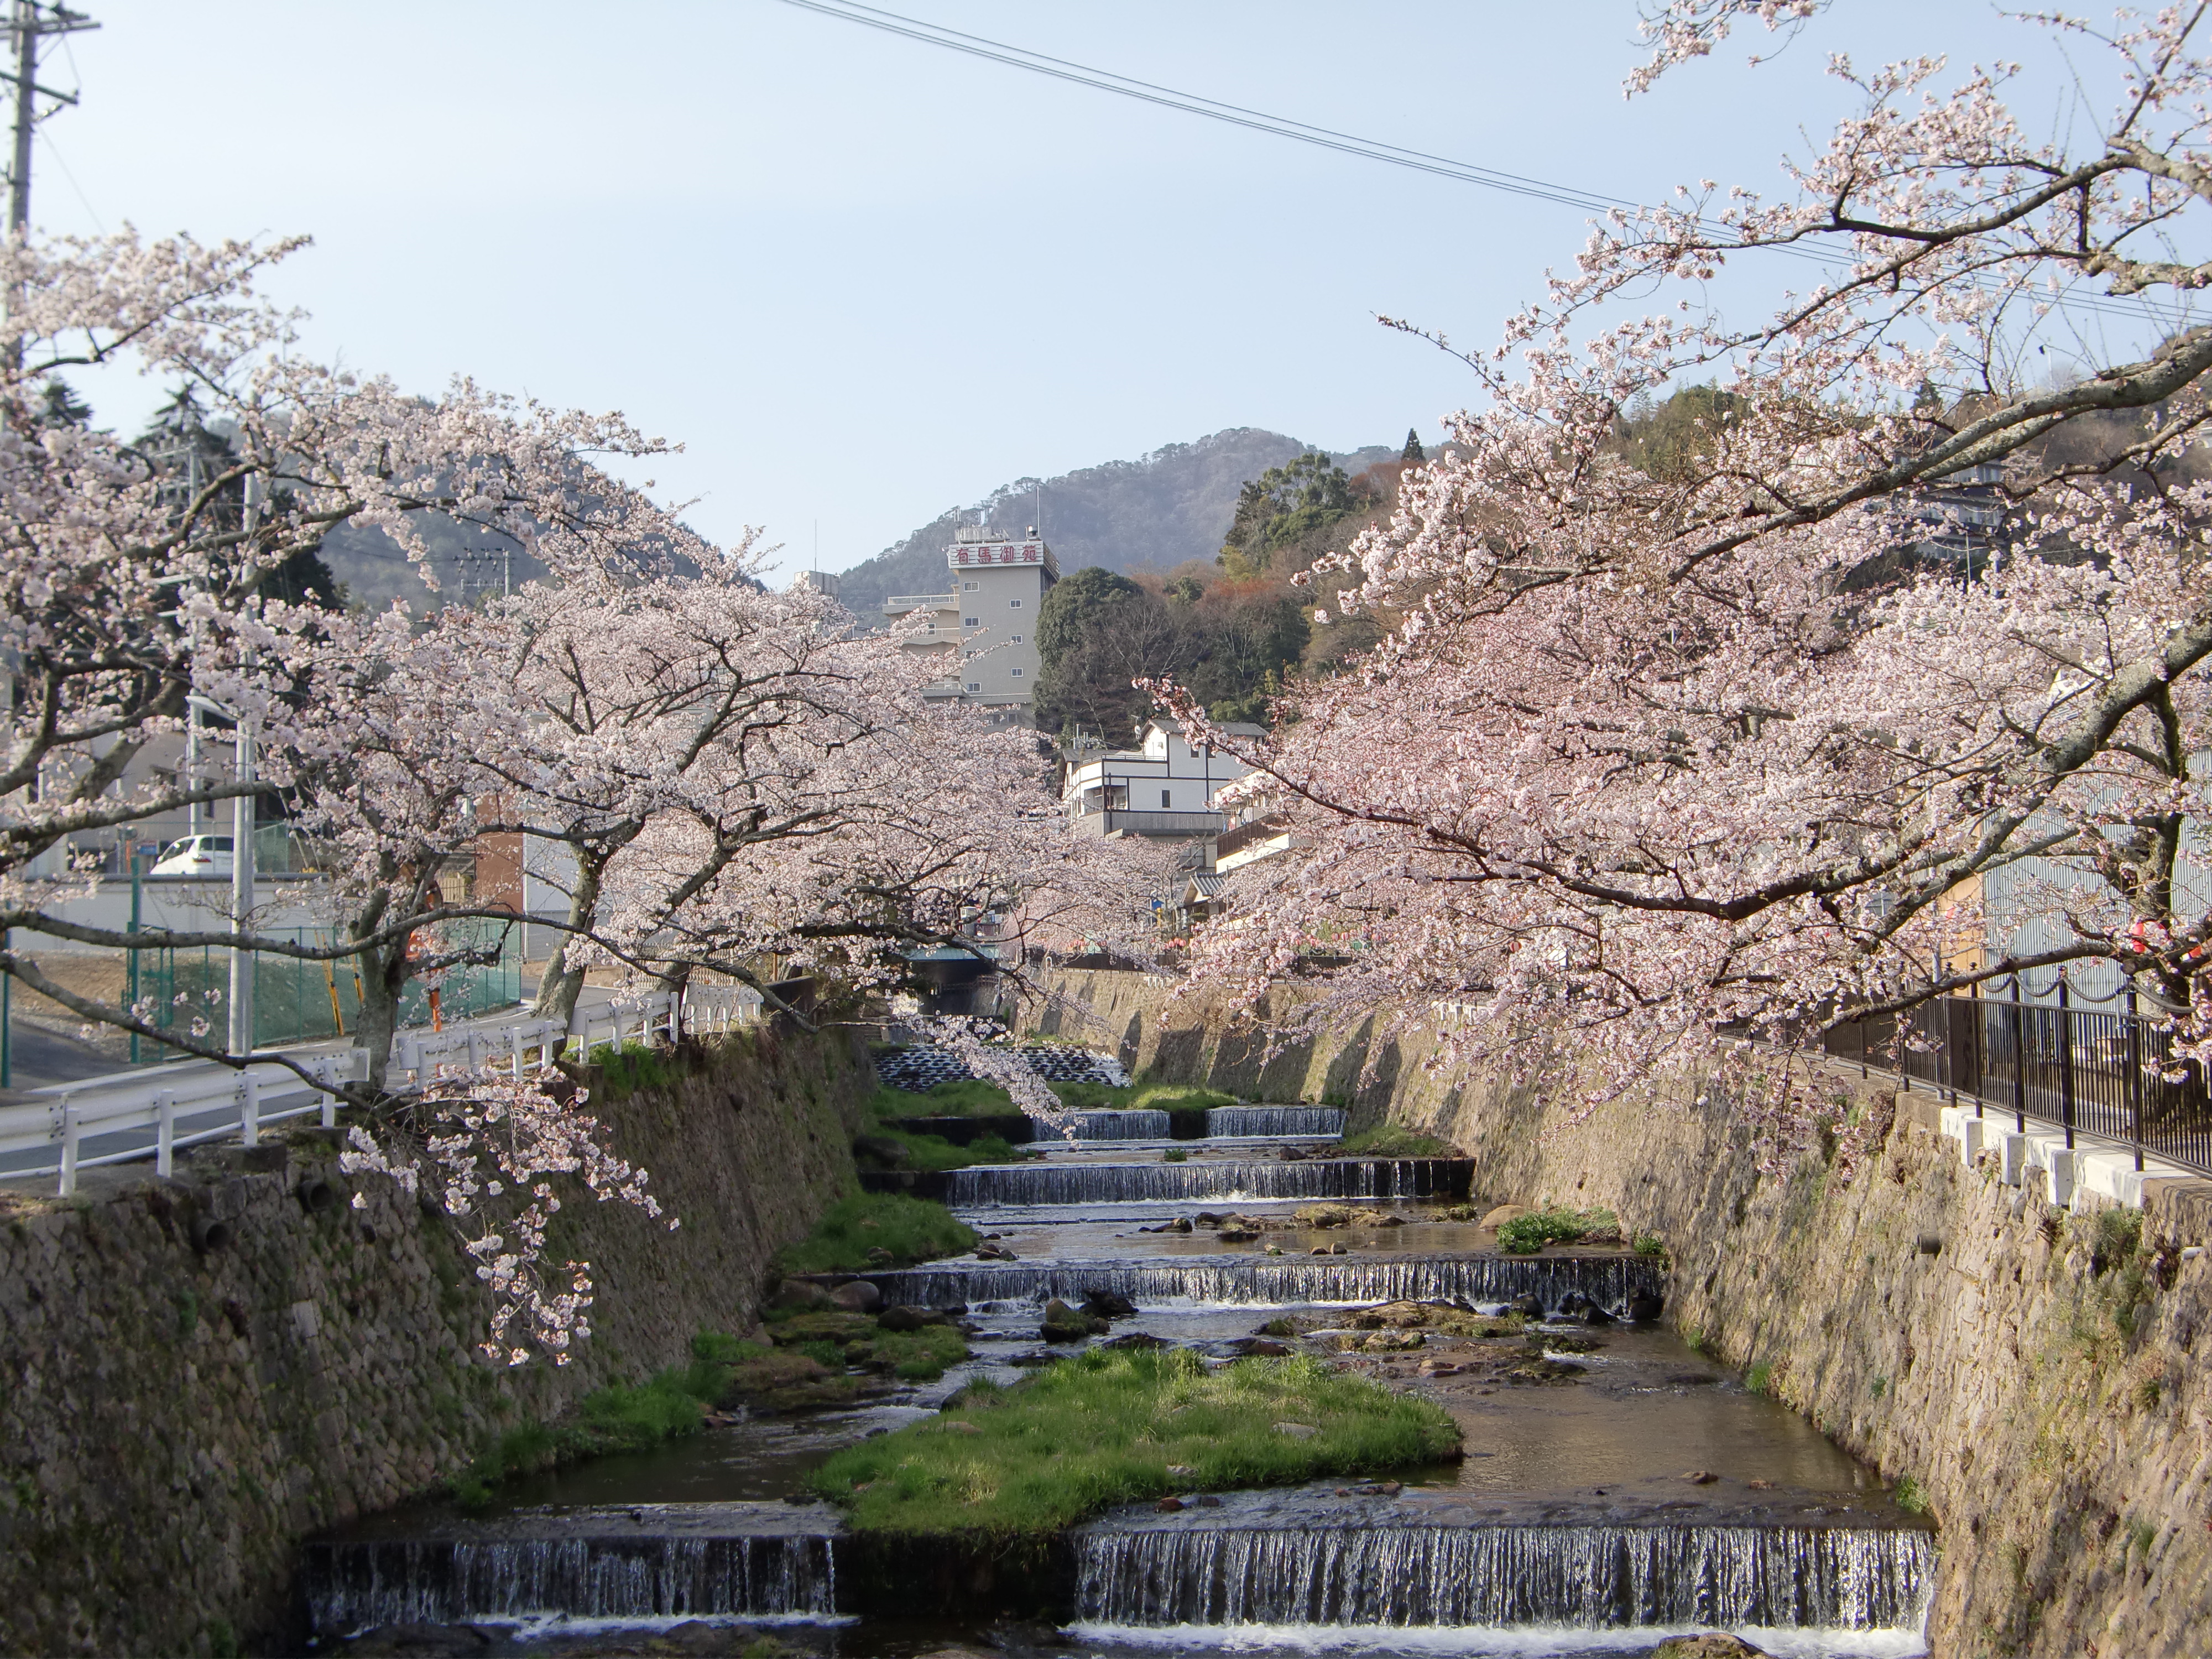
[986,625]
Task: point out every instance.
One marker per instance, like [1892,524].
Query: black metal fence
[2106,1072]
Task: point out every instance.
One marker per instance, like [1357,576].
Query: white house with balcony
[1165,787]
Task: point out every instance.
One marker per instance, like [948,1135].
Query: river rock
[1716,1645]
[857,1297]
[1064,1324]
[803,1294]
[1105,1304]
[1297,1431]
[1291,1155]
[1527,1303]
[1236,1235]
[1503,1214]
[1645,1306]
[1136,1340]
[910,1319]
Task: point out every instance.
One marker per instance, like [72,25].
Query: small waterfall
[1278,1282]
[1312,1122]
[1137,1183]
[353,1584]
[1857,1579]
[1110,1126]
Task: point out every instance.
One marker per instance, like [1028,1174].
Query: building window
[1013,604]
[971,622]
[1016,672]
[1167,797]
[1014,639]
[975,685]
[969,588]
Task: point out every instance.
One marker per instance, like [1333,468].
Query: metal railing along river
[2109,1072]
[187,1111]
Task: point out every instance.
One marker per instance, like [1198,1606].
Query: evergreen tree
[61,406]
[1413,452]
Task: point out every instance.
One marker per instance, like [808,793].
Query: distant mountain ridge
[1152,513]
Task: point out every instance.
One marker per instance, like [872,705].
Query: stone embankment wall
[174,1421]
[2033,1372]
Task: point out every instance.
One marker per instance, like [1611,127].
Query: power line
[1372,150]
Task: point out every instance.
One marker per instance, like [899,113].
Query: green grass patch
[1141,1096]
[1911,1496]
[614,1419]
[1173,1155]
[965,1098]
[1103,1429]
[1760,1377]
[837,1340]
[633,1066]
[908,1229]
[1525,1235]
[935,1153]
[1393,1140]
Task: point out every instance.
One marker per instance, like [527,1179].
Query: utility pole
[30,21]
[245,815]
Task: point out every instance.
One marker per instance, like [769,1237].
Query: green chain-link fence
[301,1001]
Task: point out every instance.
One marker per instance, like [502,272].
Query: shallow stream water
[1632,1490]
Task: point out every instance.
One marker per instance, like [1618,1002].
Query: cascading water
[1136,1184]
[1605,1280]
[609,1571]
[1854,1578]
[1110,1126]
[1293,1122]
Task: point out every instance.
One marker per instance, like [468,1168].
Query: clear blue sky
[863,280]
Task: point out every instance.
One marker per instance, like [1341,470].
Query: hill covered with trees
[1151,513]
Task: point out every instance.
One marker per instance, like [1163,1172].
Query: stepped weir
[1571,1527]
[1379,1571]
[668,1561]
[1139,1183]
[1241,1122]
[1259,1282]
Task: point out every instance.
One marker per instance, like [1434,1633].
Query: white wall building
[985,624]
[1166,787]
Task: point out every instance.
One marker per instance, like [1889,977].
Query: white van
[195,855]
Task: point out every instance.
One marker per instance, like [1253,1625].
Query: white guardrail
[187,1111]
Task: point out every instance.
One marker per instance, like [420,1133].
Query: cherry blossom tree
[743,780]
[1658,759]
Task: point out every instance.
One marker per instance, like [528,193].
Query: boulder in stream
[910,1319]
[1106,1304]
[1064,1324]
[858,1296]
[1714,1645]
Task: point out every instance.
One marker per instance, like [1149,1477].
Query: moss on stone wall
[173,1423]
